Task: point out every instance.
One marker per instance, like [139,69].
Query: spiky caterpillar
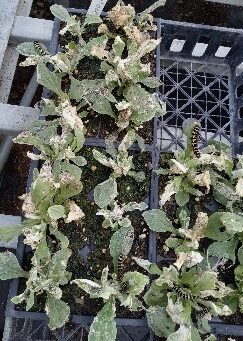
[195,140]
[181,293]
[120,267]
[123,286]
[39,48]
[191,128]
[201,313]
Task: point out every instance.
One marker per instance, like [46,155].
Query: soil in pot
[14,179]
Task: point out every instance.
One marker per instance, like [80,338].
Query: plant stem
[153,7]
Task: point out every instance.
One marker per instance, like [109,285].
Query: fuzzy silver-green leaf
[158,221]
[9,266]
[8,233]
[160,322]
[105,192]
[103,327]
[58,312]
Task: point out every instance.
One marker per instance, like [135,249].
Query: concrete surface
[29,29]
[7,15]
[14,119]
[9,220]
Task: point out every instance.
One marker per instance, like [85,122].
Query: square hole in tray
[193,90]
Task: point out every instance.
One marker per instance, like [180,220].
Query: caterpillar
[39,48]
[201,313]
[123,287]
[181,293]
[194,140]
[120,266]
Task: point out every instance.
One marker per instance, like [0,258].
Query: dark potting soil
[198,12]
[15,173]
[89,242]
[41,9]
[13,180]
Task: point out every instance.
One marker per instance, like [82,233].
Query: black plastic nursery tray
[200,69]
[201,82]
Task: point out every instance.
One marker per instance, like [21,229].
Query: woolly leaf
[223,190]
[100,157]
[58,312]
[131,206]
[103,327]
[96,94]
[151,82]
[49,79]
[92,288]
[9,266]
[145,104]
[182,198]
[92,18]
[182,334]
[232,221]
[160,322]
[118,46]
[152,268]
[79,161]
[8,233]
[215,228]
[121,243]
[206,281]
[223,249]
[240,255]
[158,221]
[102,106]
[27,49]
[105,192]
[56,212]
[136,281]
[60,12]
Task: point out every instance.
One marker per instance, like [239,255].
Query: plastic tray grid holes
[199,69]
[193,90]
[35,330]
